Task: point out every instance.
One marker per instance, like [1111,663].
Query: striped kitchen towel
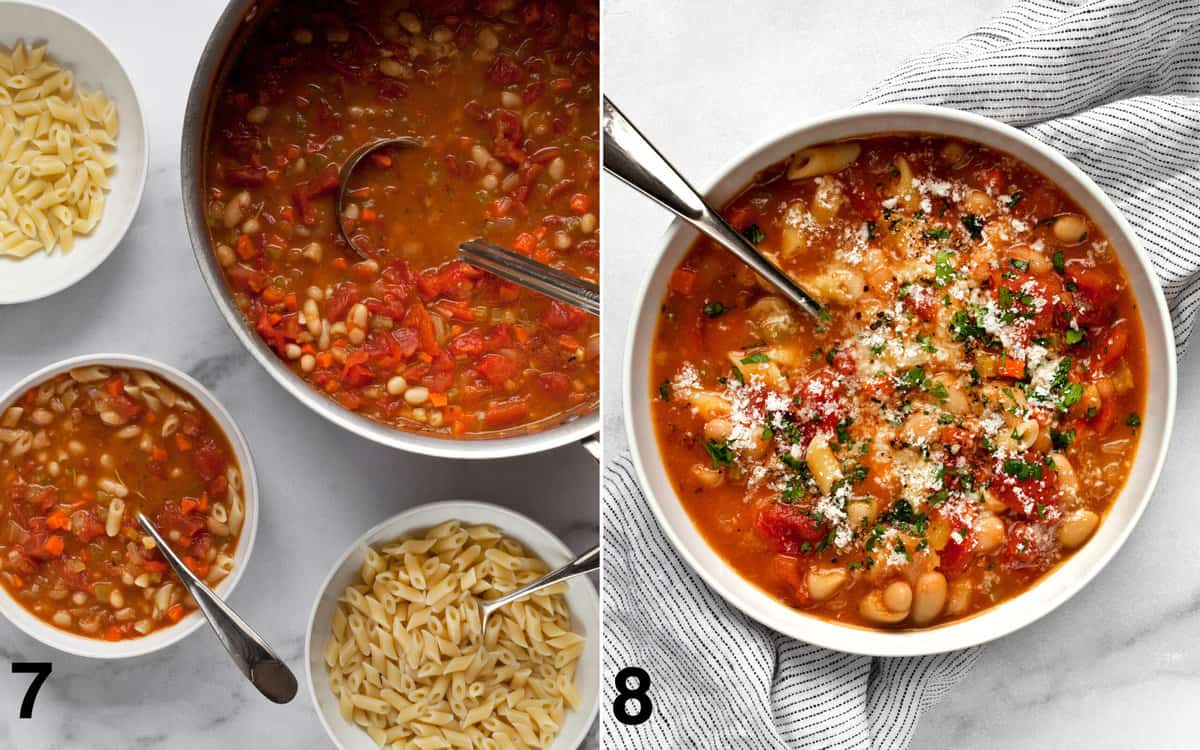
[1114,85]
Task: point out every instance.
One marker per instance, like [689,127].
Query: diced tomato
[1011,367]
[247,176]
[405,341]
[555,384]
[790,529]
[454,280]
[209,460]
[1111,347]
[305,192]
[246,279]
[787,571]
[844,361]
[955,556]
[468,344]
[497,368]
[418,319]
[1105,417]
[504,71]
[340,300]
[1031,495]
[562,317]
[1028,546]
[508,130]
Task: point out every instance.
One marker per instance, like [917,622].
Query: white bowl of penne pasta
[93,463]
[73,152]
[648,397]
[393,652]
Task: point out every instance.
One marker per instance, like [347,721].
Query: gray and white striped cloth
[1114,85]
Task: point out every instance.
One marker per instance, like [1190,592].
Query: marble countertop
[320,487]
[1114,667]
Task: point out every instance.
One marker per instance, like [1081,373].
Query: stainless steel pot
[226,41]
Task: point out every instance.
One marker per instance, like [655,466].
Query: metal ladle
[631,157]
[249,652]
[585,563]
[480,253]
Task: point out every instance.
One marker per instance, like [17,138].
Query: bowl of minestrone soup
[86,444]
[395,338]
[967,433]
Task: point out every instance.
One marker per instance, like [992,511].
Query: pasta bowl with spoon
[403,558]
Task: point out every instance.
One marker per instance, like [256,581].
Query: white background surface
[1116,666]
[321,487]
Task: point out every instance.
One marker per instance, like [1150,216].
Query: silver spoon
[629,156]
[585,563]
[253,656]
[504,263]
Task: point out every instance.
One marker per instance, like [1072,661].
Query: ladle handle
[530,274]
[631,157]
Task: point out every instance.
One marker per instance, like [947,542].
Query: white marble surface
[1115,667]
[321,487]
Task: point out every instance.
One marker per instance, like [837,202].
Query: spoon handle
[631,157]
[585,563]
[253,656]
[530,274]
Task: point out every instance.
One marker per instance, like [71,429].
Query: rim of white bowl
[142,162]
[1051,590]
[445,510]
[96,648]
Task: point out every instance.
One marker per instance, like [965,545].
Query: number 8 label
[635,696]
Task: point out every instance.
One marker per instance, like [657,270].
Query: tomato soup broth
[80,456]
[503,97]
[955,423]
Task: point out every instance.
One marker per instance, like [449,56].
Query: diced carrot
[154,566]
[438,399]
[159,453]
[459,427]
[340,264]
[245,247]
[521,334]
[1011,367]
[54,545]
[524,243]
[150,417]
[188,505]
[17,580]
[112,633]
[381,159]
[325,359]
[175,612]
[683,281]
[204,502]
[369,214]
[290,302]
[331,386]
[561,84]
[272,295]
[425,356]
[580,203]
[114,387]
[288,213]
[568,342]
[57,520]
[182,441]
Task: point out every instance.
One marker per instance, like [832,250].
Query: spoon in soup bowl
[632,158]
[506,264]
[253,656]
[585,563]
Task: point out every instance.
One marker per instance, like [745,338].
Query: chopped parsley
[938,390]
[1073,336]
[1022,470]
[664,390]
[943,268]
[716,309]
[758,358]
[925,341]
[1020,265]
[937,233]
[1060,262]
[720,453]
[974,225]
[1015,199]
[964,326]
[914,378]
[1062,439]
[754,233]
[1070,395]
[1133,420]
[870,230]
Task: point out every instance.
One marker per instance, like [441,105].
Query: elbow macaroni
[56,150]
